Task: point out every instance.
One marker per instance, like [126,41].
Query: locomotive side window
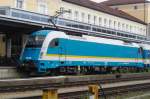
[54,43]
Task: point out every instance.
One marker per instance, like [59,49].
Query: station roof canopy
[103,8]
[123,2]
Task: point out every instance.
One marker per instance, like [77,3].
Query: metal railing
[24,15]
[73,25]
[101,31]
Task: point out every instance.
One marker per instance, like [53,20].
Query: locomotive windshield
[35,41]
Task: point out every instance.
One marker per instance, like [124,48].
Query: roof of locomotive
[87,38]
[41,32]
[110,41]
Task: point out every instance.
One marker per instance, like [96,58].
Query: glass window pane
[19,4]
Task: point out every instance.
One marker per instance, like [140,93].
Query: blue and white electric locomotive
[49,49]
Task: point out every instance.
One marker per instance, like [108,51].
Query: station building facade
[100,15]
[137,8]
[48,7]
[83,11]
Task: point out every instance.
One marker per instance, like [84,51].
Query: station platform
[8,72]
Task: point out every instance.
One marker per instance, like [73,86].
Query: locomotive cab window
[54,43]
[35,41]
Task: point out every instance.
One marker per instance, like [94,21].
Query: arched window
[105,22]
[100,21]
[54,43]
[82,17]
[76,15]
[95,20]
[70,14]
[89,18]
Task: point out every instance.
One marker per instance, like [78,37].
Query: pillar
[50,94]
[94,92]
[24,39]
[2,45]
[9,47]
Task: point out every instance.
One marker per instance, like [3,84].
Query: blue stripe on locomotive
[80,48]
[146,54]
[31,54]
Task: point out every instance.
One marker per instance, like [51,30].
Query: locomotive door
[140,55]
[59,49]
[62,53]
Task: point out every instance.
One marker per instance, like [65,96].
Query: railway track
[109,91]
[65,84]
[65,81]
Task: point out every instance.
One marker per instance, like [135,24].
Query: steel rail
[51,82]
